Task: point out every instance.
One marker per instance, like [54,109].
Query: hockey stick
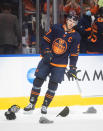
[78,86]
[76,79]
[65,111]
[73,74]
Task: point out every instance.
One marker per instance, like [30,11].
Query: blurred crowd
[90,25]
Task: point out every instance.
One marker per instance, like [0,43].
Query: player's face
[70,23]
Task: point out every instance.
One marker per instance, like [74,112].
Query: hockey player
[57,44]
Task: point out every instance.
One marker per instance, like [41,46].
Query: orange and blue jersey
[84,26]
[95,40]
[62,44]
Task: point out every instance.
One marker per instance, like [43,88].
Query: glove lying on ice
[72,72]
[47,56]
[10,114]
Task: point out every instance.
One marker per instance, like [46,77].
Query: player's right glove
[72,72]
[47,56]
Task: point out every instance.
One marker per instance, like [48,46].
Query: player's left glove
[47,56]
[72,72]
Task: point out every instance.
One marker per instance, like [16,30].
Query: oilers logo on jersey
[59,46]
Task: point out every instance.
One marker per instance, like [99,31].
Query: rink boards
[17,75]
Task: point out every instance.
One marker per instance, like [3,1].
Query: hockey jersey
[62,44]
[95,40]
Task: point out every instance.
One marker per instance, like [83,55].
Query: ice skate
[44,110]
[43,119]
[29,107]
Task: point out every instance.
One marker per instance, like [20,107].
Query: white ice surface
[75,121]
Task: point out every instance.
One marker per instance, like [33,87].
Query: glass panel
[29,27]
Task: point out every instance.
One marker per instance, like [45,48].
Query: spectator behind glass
[71,5]
[84,27]
[95,39]
[94,6]
[10,35]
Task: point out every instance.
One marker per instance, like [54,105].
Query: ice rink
[77,120]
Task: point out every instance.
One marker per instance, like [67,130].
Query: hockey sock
[34,94]
[48,97]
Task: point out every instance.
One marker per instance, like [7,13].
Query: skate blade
[44,120]
[28,112]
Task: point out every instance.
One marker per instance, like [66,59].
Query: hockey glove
[10,114]
[47,57]
[14,108]
[71,73]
